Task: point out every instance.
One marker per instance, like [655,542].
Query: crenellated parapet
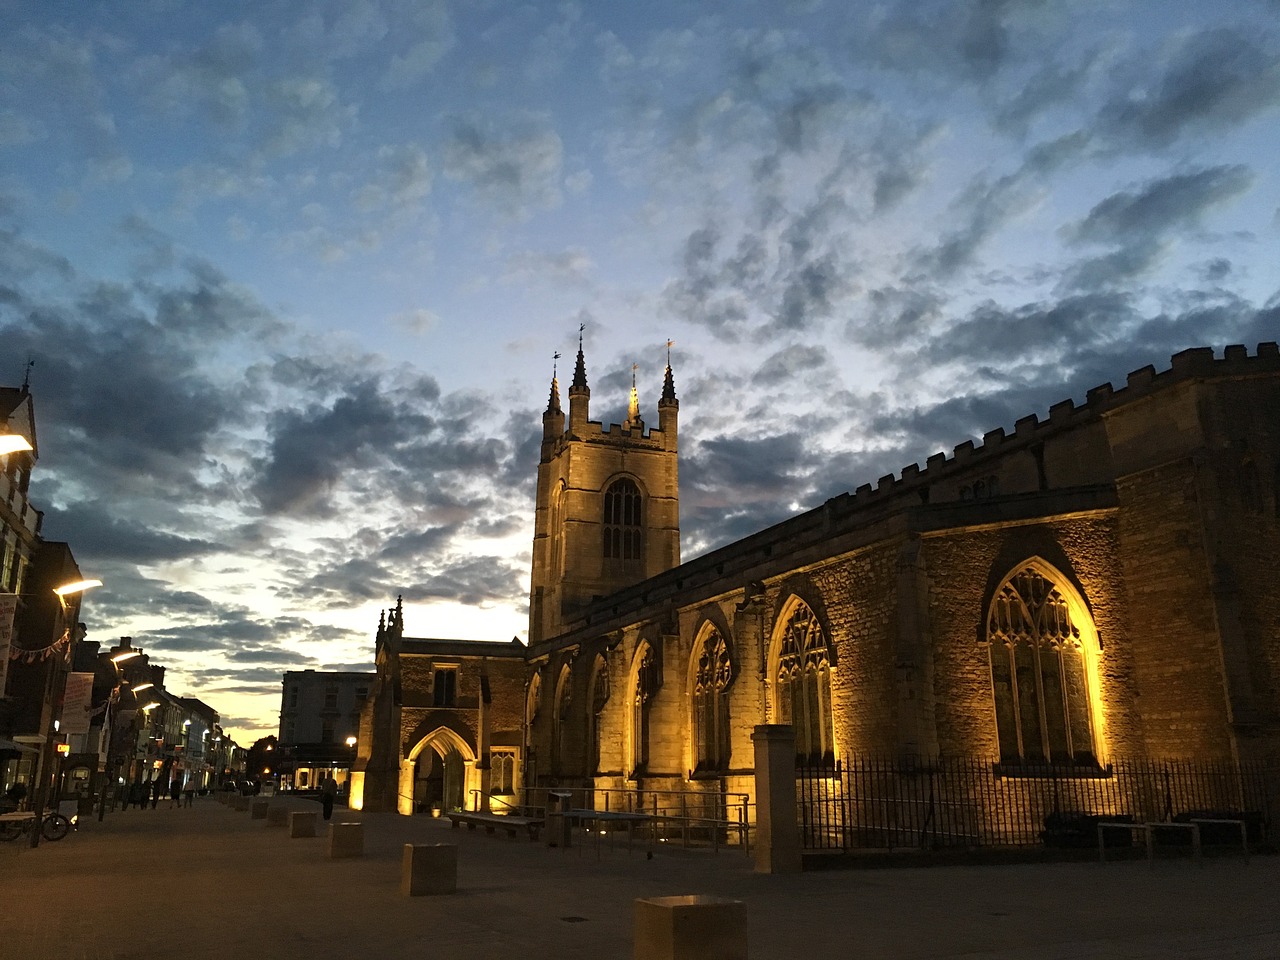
[1197,363]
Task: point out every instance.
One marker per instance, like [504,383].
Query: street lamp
[13,443]
[47,754]
[117,709]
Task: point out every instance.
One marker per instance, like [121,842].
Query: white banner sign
[8,608]
[77,703]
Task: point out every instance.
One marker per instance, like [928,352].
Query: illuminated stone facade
[1097,584]
[441,728]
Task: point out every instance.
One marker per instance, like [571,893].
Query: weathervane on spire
[555,359]
[670,344]
[26,379]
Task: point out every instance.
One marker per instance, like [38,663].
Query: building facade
[319,715]
[1095,585]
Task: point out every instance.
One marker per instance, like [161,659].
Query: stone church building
[1099,584]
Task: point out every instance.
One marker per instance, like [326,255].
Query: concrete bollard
[346,840]
[428,868]
[302,823]
[690,928]
[258,810]
[277,815]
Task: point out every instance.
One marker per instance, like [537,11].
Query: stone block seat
[346,840]
[690,928]
[428,868]
[302,823]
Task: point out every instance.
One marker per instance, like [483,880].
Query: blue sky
[292,275]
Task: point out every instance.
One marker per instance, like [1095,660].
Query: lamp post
[117,709]
[47,754]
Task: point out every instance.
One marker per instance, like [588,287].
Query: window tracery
[560,721]
[623,521]
[599,697]
[803,678]
[1039,674]
[712,674]
[644,686]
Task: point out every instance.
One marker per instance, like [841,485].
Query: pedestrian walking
[157,787]
[328,791]
[189,793]
[175,792]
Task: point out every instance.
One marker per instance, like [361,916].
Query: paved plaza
[212,882]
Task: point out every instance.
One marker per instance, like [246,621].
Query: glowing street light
[80,586]
[142,686]
[124,655]
[351,741]
[13,443]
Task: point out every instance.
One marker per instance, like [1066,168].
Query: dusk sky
[293,273]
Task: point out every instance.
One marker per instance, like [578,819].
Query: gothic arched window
[599,697]
[532,698]
[556,526]
[644,684]
[712,672]
[623,521]
[803,679]
[560,725]
[1039,673]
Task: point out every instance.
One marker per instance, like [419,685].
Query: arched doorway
[438,773]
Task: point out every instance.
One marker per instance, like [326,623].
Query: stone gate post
[777,847]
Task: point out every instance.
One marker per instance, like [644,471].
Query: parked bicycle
[53,825]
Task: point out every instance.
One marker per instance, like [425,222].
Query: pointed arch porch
[452,747]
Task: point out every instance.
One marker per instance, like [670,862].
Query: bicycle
[53,825]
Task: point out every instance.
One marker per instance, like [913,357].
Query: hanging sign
[77,703]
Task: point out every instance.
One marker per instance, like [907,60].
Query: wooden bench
[492,821]
[1149,831]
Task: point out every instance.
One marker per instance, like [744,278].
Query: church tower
[608,505]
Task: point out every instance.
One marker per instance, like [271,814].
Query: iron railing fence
[705,815]
[868,802]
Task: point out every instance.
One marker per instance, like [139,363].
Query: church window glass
[623,521]
[712,673]
[803,678]
[502,772]
[444,688]
[560,724]
[599,697]
[645,685]
[1038,674]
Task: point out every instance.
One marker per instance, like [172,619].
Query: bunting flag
[61,645]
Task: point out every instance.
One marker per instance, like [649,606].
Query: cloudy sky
[293,274]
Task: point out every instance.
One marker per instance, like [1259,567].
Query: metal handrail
[683,820]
